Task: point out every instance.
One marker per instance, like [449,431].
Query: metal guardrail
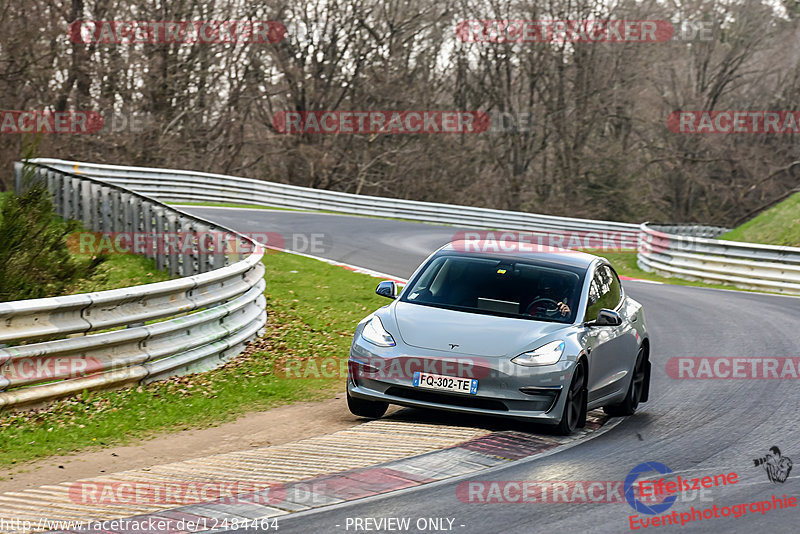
[664,250]
[692,230]
[218,305]
[687,251]
[189,324]
[190,186]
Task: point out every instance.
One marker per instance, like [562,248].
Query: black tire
[574,414]
[366,408]
[635,390]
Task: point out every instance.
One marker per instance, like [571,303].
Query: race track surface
[695,427]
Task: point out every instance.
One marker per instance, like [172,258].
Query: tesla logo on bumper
[453,345]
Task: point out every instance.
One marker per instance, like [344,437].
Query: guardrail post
[18,177]
[117,224]
[148,226]
[94,217]
[76,212]
[126,213]
[159,223]
[172,242]
[127,221]
[232,249]
[66,197]
[207,243]
[105,209]
[220,244]
[55,191]
[189,247]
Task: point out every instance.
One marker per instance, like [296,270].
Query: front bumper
[505,389]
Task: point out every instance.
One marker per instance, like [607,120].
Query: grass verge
[779,225]
[313,308]
[116,271]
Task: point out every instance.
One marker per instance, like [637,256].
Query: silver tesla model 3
[542,336]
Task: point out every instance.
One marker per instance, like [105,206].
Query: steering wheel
[550,306]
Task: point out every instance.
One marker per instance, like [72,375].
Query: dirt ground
[262,429]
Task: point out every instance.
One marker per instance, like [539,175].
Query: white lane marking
[742,291]
[642,280]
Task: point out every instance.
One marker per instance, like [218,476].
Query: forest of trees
[597,145]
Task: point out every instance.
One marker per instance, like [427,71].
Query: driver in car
[550,292]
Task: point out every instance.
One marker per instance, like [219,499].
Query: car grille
[454,400]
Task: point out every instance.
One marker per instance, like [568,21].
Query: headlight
[377,335]
[544,355]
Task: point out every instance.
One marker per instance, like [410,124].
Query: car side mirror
[606,317]
[387,289]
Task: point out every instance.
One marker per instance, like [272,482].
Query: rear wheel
[574,414]
[633,398]
[366,408]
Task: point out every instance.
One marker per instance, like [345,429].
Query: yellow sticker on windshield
[501,271]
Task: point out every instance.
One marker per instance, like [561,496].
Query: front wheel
[574,414]
[366,408]
[635,390]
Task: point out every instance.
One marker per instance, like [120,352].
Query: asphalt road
[695,427]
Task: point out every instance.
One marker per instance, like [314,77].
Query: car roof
[530,252]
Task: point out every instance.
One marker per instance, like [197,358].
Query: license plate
[445,383]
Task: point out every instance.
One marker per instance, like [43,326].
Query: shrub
[34,259]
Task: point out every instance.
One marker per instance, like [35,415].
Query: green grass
[3,196]
[117,271]
[779,225]
[313,308]
[232,205]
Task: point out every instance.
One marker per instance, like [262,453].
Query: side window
[604,292]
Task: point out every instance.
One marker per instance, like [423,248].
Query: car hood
[427,327]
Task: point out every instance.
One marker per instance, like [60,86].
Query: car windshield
[498,287]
